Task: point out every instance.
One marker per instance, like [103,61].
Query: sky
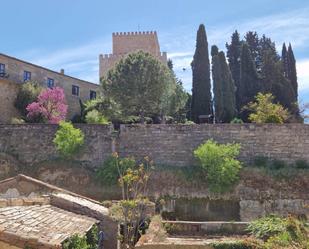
[71,34]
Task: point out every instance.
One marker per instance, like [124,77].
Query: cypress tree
[223,87]
[284,59]
[233,55]
[201,95]
[250,83]
[292,73]
[252,39]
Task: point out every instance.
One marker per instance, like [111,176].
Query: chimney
[62,71]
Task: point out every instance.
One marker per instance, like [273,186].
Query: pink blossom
[51,105]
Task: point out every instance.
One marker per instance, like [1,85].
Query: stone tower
[128,42]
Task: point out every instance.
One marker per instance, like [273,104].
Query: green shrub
[277,164]
[108,173]
[220,164]
[236,121]
[281,232]
[301,164]
[95,117]
[17,121]
[89,241]
[261,161]
[68,140]
[27,94]
[267,227]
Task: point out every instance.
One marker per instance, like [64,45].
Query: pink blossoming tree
[50,106]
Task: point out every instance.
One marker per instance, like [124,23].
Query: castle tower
[129,42]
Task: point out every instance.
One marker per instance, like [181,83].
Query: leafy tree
[233,55]
[50,106]
[201,95]
[131,210]
[95,117]
[223,88]
[249,81]
[140,85]
[27,94]
[220,164]
[265,111]
[68,140]
[177,108]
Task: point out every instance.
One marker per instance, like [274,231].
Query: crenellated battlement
[139,33]
[125,43]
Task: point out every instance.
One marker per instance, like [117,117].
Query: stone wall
[171,145]
[174,144]
[8,93]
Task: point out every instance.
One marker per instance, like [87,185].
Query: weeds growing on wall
[277,232]
[279,169]
[219,163]
[68,140]
[108,173]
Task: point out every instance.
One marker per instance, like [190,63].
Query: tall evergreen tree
[233,55]
[201,87]
[252,39]
[292,73]
[223,87]
[249,80]
[284,59]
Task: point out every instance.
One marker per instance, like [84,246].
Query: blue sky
[70,34]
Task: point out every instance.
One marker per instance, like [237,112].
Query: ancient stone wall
[171,145]
[174,144]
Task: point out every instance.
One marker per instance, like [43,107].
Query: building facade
[14,72]
[129,42]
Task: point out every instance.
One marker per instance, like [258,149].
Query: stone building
[14,72]
[128,42]
[42,216]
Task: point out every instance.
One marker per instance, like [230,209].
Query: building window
[2,70]
[27,76]
[93,94]
[50,83]
[75,90]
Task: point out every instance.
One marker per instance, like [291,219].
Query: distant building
[14,72]
[129,42]
[42,216]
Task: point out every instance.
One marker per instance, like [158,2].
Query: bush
[89,241]
[277,164]
[220,164]
[27,94]
[95,117]
[108,173]
[266,227]
[301,164]
[17,121]
[281,232]
[236,121]
[68,140]
[261,161]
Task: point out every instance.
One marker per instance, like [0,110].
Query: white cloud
[303,74]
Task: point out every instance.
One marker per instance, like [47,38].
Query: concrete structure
[42,216]
[14,72]
[129,42]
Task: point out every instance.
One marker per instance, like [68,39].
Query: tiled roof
[44,225]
